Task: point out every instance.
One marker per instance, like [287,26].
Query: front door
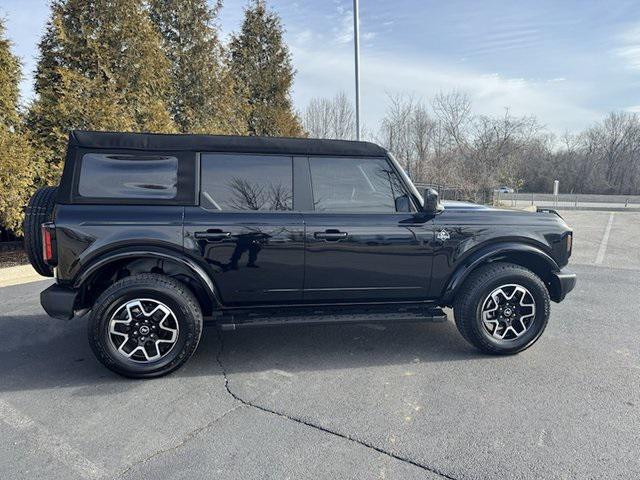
[364,241]
[245,229]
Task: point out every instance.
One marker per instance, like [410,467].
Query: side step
[328,315]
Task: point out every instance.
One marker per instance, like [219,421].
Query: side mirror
[432,203]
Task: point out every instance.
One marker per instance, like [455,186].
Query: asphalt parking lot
[407,401]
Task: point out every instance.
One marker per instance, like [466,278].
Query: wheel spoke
[157,354]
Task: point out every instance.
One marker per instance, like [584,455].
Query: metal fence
[521,200]
[451,192]
[568,200]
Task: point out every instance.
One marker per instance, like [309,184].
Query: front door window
[367,185]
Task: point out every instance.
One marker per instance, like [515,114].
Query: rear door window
[232,182]
[356,185]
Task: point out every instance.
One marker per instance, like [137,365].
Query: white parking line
[50,443]
[605,239]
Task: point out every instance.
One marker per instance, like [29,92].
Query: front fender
[491,253]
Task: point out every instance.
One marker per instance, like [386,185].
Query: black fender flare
[490,253]
[125,254]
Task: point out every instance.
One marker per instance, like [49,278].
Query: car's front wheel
[502,308]
[145,326]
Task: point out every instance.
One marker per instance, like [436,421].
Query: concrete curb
[18,275]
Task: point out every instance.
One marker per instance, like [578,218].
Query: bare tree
[330,118]
[280,197]
[445,143]
[246,196]
[256,196]
[453,146]
[408,131]
[453,110]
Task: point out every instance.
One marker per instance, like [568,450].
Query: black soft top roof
[221,143]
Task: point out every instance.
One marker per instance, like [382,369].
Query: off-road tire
[153,286]
[468,305]
[39,211]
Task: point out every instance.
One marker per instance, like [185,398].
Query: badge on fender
[443,235]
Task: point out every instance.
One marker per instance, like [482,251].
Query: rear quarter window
[120,176]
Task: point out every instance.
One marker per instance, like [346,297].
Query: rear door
[364,242]
[246,228]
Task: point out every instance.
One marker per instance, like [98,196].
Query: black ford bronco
[153,234]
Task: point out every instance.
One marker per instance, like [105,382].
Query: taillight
[569,244]
[48,243]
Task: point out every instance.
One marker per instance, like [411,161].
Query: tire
[523,325]
[39,211]
[118,308]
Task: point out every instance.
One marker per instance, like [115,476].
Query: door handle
[330,235]
[212,236]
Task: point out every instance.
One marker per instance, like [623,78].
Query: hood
[480,214]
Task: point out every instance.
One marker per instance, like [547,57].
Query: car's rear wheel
[502,308]
[39,211]
[145,326]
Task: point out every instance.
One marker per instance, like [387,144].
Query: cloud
[343,31]
[631,54]
[629,51]
[557,102]
[506,39]
[304,36]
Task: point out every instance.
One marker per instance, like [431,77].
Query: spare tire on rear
[39,211]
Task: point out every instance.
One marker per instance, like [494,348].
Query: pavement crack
[183,441]
[315,426]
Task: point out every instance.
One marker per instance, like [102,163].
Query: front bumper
[562,282]
[59,302]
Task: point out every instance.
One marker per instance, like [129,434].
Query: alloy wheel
[143,330]
[508,312]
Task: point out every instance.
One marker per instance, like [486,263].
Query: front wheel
[502,308]
[145,326]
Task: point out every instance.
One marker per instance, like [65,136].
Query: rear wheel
[145,326]
[502,308]
[39,211]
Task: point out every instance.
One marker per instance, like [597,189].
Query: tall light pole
[356,44]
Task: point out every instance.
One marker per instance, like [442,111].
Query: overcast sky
[567,62]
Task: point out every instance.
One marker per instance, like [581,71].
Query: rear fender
[96,266]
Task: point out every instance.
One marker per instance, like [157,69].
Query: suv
[153,234]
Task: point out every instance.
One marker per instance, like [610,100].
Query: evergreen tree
[101,67]
[203,97]
[10,76]
[15,169]
[261,65]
